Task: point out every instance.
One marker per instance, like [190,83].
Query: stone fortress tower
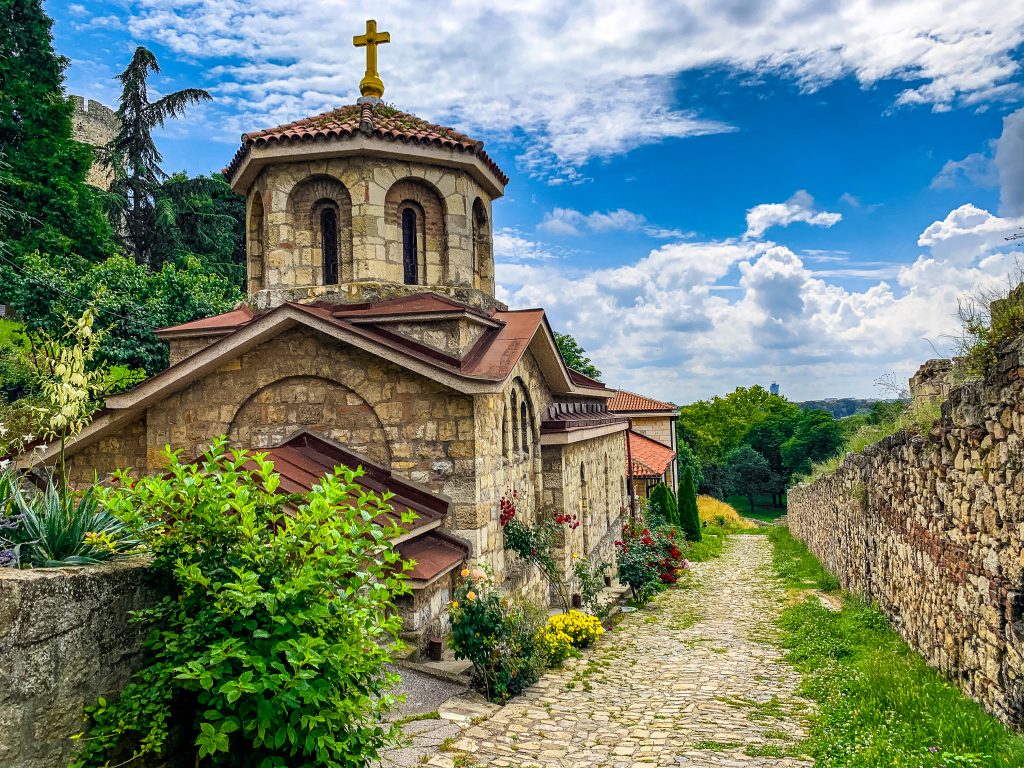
[94,124]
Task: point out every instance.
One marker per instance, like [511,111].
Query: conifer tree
[43,185]
[134,160]
[661,503]
[689,517]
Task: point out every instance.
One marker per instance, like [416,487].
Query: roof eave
[258,157]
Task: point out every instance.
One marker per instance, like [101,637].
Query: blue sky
[707,194]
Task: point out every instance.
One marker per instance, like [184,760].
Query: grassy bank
[879,705]
[763,510]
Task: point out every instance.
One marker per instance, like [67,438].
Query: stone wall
[64,641]
[931,529]
[94,124]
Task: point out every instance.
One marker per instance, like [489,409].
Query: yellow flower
[471,595]
[465,572]
[455,603]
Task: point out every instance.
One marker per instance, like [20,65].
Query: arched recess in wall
[483,257]
[320,214]
[278,410]
[254,244]
[416,233]
[529,429]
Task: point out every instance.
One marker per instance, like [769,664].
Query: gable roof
[650,458]
[630,402]
[377,121]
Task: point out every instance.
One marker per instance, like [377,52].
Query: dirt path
[692,680]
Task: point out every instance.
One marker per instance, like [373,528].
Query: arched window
[504,430]
[515,422]
[524,425]
[583,488]
[255,244]
[481,246]
[329,245]
[410,246]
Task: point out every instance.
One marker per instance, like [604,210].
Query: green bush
[271,645]
[661,507]
[498,636]
[689,517]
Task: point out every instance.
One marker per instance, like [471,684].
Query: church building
[372,336]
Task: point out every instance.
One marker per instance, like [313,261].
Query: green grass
[763,511]
[795,565]
[878,704]
[710,546]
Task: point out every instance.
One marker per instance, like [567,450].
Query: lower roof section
[650,459]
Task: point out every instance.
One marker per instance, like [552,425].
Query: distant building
[96,125]
[774,388]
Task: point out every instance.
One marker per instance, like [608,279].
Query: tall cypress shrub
[55,211]
[689,517]
[662,505]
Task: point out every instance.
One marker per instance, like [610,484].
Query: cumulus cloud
[693,319]
[511,246]
[1009,160]
[570,222]
[800,207]
[563,79]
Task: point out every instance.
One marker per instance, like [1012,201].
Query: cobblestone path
[691,680]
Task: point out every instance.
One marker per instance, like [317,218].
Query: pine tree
[134,160]
[55,211]
[663,506]
[689,517]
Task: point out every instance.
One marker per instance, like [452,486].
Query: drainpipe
[629,472]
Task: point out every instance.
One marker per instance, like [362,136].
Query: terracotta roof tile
[376,121]
[650,458]
[630,402]
[227,321]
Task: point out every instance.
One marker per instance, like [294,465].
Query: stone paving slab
[691,680]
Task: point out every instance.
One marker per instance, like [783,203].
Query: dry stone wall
[96,125]
[931,530]
[65,640]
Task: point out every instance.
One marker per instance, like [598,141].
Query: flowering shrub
[649,561]
[496,635]
[566,633]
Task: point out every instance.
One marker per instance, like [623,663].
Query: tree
[687,459]
[689,517]
[662,505]
[747,474]
[44,181]
[575,356]
[202,217]
[134,160]
[130,301]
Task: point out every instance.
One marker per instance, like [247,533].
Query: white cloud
[1009,160]
[976,169]
[800,207]
[510,246]
[570,222]
[694,319]
[563,79]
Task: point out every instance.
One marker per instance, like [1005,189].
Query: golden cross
[371,84]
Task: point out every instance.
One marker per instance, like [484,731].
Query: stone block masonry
[65,640]
[931,530]
[96,125]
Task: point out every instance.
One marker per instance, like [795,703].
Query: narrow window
[515,426]
[410,249]
[329,245]
[583,488]
[524,425]
[504,430]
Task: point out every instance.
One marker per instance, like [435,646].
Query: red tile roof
[630,402]
[650,458]
[374,120]
[492,358]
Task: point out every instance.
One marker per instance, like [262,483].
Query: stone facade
[96,125]
[660,428]
[65,640]
[284,242]
[931,529]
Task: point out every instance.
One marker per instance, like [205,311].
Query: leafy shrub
[689,517]
[271,645]
[591,582]
[496,635]
[536,543]
[566,633]
[988,321]
[661,507]
[649,561]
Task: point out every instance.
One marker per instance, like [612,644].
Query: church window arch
[584,501]
[405,199]
[504,430]
[524,425]
[482,255]
[330,266]
[255,244]
[320,214]
[515,423]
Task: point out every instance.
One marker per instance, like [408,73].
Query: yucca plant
[10,520]
[65,528]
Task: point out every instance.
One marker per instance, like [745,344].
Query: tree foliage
[134,160]
[271,645]
[130,301]
[43,185]
[747,473]
[689,516]
[575,356]
[661,505]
